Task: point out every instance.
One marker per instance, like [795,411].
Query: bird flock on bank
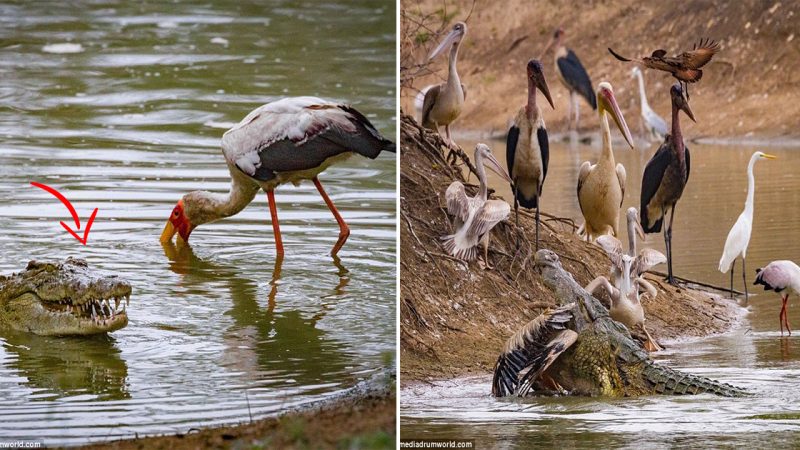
[601,184]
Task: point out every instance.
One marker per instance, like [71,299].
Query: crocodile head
[63,298]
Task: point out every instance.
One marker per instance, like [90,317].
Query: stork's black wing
[544,147]
[511,148]
[575,75]
[651,180]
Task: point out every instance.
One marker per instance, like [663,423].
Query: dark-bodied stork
[442,103]
[572,74]
[684,67]
[286,141]
[527,155]
[665,176]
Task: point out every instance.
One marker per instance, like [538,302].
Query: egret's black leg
[732,267]
[516,213]
[744,279]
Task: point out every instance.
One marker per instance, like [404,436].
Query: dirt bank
[750,88]
[361,417]
[455,317]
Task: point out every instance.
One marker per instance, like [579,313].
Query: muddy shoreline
[455,317]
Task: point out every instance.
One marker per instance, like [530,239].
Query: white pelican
[777,276]
[285,141]
[627,270]
[527,155]
[443,102]
[601,186]
[572,74]
[655,126]
[475,216]
[665,176]
[739,236]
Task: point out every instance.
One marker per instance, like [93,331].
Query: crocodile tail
[673,382]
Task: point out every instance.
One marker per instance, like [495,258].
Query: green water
[128,124]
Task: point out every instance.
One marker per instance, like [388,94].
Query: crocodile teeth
[128,299]
[94,313]
[116,303]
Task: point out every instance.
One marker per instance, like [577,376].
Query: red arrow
[71,211]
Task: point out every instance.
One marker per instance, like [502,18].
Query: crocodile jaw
[30,313]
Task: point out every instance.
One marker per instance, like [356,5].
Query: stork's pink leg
[276,228]
[785,315]
[344,230]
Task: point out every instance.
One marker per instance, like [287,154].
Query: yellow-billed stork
[778,276]
[286,141]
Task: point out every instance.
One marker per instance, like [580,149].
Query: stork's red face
[177,223]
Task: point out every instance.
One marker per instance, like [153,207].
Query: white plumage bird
[739,236]
[655,125]
[286,141]
[778,276]
[475,216]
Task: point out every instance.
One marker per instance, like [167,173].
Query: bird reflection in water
[270,344]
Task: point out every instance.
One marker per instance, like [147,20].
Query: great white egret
[655,126]
[739,236]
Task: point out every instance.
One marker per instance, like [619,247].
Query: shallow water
[753,356]
[130,123]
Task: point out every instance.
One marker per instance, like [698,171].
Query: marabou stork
[684,67]
[527,155]
[601,186]
[655,126]
[442,103]
[777,276]
[475,216]
[739,236]
[285,141]
[572,74]
[665,176]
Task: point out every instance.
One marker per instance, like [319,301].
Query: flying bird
[527,146]
[684,67]
[572,74]
[286,141]
[778,276]
[475,216]
[739,236]
[665,176]
[442,103]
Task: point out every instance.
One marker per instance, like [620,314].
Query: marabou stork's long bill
[572,74]
[443,102]
[778,276]
[527,147]
[286,141]
[739,236]
[665,176]
[601,186]
[654,125]
[684,67]
[475,216]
